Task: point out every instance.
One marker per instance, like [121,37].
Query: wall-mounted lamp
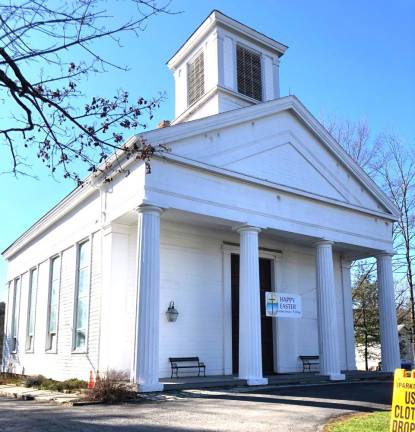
[172,312]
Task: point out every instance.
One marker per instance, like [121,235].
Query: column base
[146,388]
[257,381]
[337,377]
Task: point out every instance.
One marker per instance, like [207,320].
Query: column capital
[323,242]
[148,208]
[384,254]
[247,228]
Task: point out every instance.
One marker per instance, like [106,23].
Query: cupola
[224,65]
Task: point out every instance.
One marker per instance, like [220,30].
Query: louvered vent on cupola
[224,65]
[249,73]
[195,79]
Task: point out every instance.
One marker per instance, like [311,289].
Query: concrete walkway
[276,409]
[26,393]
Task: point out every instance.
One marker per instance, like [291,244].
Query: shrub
[43,383]
[74,384]
[52,385]
[34,381]
[10,378]
[114,386]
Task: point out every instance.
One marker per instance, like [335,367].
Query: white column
[250,348]
[115,265]
[326,310]
[148,299]
[387,314]
[348,315]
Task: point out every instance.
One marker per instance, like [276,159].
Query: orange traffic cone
[91,382]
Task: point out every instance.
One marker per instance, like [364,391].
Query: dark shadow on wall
[2,330]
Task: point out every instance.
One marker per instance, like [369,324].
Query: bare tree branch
[43,78]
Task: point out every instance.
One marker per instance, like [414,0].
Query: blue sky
[352,60]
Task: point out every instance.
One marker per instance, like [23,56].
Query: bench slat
[183,359]
[177,363]
[308,361]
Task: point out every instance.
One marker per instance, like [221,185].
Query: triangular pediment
[281,144]
[286,165]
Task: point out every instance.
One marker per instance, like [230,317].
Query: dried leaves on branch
[48,49]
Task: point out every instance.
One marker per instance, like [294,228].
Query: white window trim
[53,350]
[275,257]
[15,316]
[235,62]
[7,325]
[83,350]
[30,300]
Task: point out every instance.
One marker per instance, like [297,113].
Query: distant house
[405,343]
[253,197]
[375,353]
[374,356]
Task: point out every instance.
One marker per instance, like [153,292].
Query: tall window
[195,79]
[249,75]
[15,314]
[82,295]
[31,310]
[54,282]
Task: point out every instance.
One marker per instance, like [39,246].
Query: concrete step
[193,383]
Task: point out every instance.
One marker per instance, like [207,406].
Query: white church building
[253,197]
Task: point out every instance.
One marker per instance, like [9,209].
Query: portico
[248,248]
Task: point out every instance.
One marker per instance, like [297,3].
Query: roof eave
[200,126]
[218,18]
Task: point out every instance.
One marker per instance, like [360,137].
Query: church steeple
[224,65]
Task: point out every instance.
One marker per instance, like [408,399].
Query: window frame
[83,349]
[14,328]
[7,324]
[260,54]
[30,347]
[52,348]
[193,59]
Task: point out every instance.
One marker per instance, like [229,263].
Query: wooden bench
[309,361]
[177,363]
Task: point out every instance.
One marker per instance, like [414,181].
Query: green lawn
[374,422]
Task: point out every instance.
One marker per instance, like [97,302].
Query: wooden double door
[265,284]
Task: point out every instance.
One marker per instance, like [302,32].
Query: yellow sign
[403,402]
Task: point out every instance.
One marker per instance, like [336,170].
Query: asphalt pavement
[274,409]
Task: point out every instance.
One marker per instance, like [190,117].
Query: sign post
[403,402]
